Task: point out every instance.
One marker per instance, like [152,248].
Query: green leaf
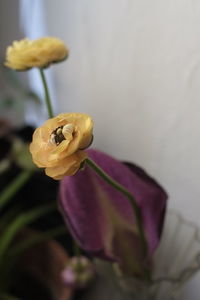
[33,96]
[18,223]
[37,238]
[22,155]
[9,215]
[14,187]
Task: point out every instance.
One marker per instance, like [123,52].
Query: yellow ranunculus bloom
[26,54]
[59,143]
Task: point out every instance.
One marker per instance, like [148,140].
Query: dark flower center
[57,135]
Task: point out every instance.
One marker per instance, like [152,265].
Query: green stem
[47,97]
[77,253]
[14,187]
[77,250]
[125,192]
[14,253]
[36,239]
[19,222]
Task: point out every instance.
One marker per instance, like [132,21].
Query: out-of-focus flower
[26,54]
[101,219]
[58,145]
[78,272]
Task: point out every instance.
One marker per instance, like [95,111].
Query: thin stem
[47,97]
[14,187]
[19,222]
[77,250]
[77,254]
[37,239]
[130,197]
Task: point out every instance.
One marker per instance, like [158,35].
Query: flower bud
[101,219]
[78,272]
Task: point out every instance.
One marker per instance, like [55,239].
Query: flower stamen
[56,136]
[68,131]
[62,133]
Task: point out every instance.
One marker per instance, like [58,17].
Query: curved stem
[76,249]
[126,193]
[36,239]
[14,187]
[47,97]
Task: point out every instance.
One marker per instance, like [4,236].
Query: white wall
[9,24]
[135,67]
[9,31]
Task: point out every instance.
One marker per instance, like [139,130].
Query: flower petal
[68,166]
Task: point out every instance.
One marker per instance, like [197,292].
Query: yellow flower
[59,143]
[26,54]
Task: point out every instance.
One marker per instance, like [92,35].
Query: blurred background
[134,65]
